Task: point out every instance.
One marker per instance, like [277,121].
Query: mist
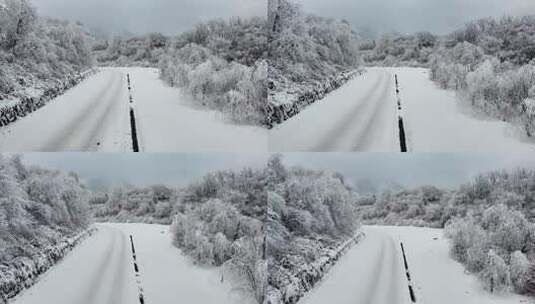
[145,16]
[408,16]
[173,169]
[380,170]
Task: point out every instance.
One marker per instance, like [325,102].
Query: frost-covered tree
[38,208]
[519,271]
[495,275]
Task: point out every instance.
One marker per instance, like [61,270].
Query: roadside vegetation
[489,221]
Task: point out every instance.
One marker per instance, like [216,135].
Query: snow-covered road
[362,116]
[101,271]
[373,272]
[94,116]
[369,273]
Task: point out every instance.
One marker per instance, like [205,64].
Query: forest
[489,62]
[311,220]
[219,65]
[40,58]
[217,221]
[309,56]
[43,214]
[489,221]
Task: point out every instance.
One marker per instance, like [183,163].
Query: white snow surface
[361,116]
[101,270]
[373,272]
[94,116]
[168,121]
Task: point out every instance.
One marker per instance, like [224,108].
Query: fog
[410,170]
[144,169]
[144,16]
[407,16]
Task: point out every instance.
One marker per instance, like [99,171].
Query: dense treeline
[144,51]
[491,63]
[154,204]
[220,222]
[221,64]
[305,53]
[42,213]
[310,216]
[489,220]
[37,208]
[397,49]
[37,52]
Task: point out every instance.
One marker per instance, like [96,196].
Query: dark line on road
[402,136]
[407,272]
[135,142]
[401,126]
[136,269]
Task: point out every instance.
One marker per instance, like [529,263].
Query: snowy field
[94,116]
[101,270]
[361,116]
[373,272]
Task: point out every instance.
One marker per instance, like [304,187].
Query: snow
[97,271]
[101,270]
[89,117]
[370,273]
[168,276]
[436,121]
[94,116]
[375,266]
[163,110]
[439,279]
[361,116]
[530,105]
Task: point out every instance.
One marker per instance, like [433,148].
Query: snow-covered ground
[361,116]
[373,272]
[94,116]
[169,122]
[101,270]
[91,116]
[369,273]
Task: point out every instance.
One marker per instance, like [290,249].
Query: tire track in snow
[369,132]
[85,115]
[341,127]
[96,284]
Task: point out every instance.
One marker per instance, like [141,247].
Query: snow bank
[23,272]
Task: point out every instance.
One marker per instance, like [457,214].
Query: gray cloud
[146,168]
[405,16]
[410,170]
[143,16]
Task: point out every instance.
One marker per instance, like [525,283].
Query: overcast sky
[406,16]
[410,170]
[146,168]
[143,16]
